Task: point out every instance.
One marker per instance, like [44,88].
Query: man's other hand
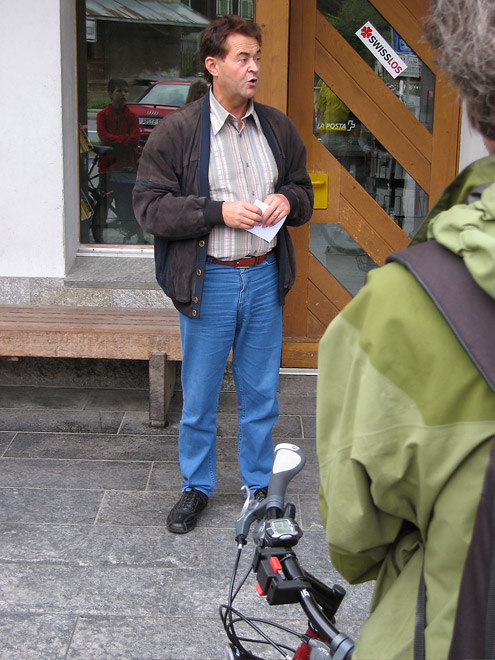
[278,208]
[241,215]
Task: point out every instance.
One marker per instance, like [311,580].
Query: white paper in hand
[266,233]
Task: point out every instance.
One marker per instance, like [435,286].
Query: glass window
[415,85]
[224,7]
[367,160]
[150,50]
[246,9]
[340,255]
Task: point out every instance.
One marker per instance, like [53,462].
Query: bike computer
[282,531]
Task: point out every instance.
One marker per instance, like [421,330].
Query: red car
[159,100]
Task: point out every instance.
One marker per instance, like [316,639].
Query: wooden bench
[98,332]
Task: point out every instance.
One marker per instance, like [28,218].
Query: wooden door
[387,159]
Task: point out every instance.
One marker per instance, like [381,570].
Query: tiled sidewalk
[88,570]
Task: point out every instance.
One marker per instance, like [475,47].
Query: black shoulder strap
[474,626]
[469,311]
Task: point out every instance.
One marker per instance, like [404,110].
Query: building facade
[380,148]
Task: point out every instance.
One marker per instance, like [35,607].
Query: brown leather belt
[240,263]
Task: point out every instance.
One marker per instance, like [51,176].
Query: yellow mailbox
[320,189]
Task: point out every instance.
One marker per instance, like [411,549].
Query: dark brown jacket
[171,197]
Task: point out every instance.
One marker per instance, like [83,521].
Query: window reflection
[367,160]
[415,86]
[340,255]
[154,48]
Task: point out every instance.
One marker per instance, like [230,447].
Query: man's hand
[241,215]
[278,208]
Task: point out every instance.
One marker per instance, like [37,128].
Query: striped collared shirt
[242,168]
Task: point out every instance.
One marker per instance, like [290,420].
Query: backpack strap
[420,618]
[469,311]
[474,634]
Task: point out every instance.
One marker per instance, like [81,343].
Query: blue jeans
[240,309]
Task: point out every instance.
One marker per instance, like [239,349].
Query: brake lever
[252,510]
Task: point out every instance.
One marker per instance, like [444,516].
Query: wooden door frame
[293,49]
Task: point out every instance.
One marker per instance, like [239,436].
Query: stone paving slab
[137,508]
[39,505]
[95,446]
[60,421]
[88,570]
[124,590]
[89,545]
[77,474]
[48,398]
[153,638]
[5,440]
[35,637]
[118,399]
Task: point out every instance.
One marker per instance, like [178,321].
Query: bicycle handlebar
[288,461]
[280,577]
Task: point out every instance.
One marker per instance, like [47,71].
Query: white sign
[413,66]
[90,30]
[381,49]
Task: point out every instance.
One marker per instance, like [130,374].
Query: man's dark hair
[113,83]
[212,42]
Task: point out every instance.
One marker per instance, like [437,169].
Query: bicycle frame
[281,579]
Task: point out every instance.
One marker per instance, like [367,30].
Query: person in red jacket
[118,128]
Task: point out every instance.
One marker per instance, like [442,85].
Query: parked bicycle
[281,579]
[111,200]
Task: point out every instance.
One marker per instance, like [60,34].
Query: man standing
[201,172]
[118,128]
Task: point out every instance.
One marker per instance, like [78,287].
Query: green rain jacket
[403,427]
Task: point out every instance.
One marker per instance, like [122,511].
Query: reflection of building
[43,260]
[331,113]
[140,42]
[149,40]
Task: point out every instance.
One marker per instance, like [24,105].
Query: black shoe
[184,515]
[260,494]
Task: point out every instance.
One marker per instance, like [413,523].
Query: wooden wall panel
[365,78]
[446,136]
[404,149]
[323,280]
[346,186]
[273,18]
[315,327]
[299,42]
[320,306]
[300,353]
[300,107]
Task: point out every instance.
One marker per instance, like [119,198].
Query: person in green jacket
[404,419]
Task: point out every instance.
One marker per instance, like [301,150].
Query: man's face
[119,96]
[236,76]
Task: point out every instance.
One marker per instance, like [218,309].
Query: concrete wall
[472,146]
[38,182]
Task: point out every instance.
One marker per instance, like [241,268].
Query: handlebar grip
[289,460]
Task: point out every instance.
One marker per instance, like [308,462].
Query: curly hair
[463,31]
